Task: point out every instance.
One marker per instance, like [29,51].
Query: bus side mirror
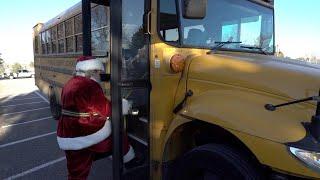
[194,9]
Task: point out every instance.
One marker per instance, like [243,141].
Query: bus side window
[61,38]
[78,32]
[69,35]
[169,21]
[36,44]
[48,41]
[43,44]
[54,39]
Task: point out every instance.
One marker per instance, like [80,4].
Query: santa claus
[84,129]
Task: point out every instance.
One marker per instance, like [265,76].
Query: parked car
[22,74]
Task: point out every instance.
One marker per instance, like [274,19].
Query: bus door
[129,60]
[130,80]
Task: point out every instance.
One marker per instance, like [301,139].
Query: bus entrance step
[137,173]
[135,138]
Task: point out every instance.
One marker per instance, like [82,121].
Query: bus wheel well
[55,107]
[209,133]
[197,133]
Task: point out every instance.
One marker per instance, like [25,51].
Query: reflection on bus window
[48,40]
[100,31]
[231,20]
[169,21]
[54,39]
[78,32]
[135,52]
[60,38]
[43,45]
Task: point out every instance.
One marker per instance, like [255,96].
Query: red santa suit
[84,129]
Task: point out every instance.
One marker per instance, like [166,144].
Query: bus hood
[282,77]
[230,90]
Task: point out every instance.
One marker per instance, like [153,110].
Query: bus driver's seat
[195,37]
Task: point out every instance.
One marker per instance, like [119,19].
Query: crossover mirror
[194,9]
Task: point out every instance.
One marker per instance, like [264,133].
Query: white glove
[126,106]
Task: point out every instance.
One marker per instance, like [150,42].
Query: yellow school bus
[209,98]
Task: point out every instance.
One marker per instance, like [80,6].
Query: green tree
[16,67]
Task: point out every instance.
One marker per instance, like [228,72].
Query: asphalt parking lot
[28,147]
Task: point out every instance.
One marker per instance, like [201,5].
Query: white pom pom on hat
[86,63]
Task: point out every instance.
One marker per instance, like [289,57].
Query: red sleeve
[99,103]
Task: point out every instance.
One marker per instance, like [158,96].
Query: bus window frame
[181,45]
[74,53]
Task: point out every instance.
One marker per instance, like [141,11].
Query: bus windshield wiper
[255,47]
[220,44]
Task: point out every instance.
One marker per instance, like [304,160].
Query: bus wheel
[215,161]
[54,105]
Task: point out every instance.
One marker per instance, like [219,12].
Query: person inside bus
[84,129]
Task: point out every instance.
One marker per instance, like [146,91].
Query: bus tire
[55,107]
[216,161]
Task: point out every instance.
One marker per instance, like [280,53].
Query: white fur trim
[129,156]
[126,106]
[82,142]
[80,74]
[91,64]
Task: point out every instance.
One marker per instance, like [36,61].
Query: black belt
[78,114]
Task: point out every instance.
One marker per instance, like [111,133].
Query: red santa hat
[86,63]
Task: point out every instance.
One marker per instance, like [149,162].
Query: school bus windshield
[231,20]
[226,20]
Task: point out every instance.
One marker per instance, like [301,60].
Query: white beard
[96,80]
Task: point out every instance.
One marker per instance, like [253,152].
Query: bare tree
[16,67]
[2,69]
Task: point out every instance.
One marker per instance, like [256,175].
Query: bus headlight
[312,159]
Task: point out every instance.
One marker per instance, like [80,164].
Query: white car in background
[22,74]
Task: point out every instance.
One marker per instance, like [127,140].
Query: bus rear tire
[216,161]
[55,107]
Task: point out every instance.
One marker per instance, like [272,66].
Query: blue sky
[297,26]
[17,18]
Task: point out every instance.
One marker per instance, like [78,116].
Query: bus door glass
[135,77]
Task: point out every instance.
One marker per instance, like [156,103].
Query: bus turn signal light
[177,63]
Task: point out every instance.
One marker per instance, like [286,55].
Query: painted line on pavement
[32,121]
[27,139]
[37,168]
[21,104]
[21,99]
[41,96]
[24,111]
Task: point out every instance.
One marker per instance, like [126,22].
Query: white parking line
[45,99]
[37,168]
[21,104]
[25,140]
[22,99]
[25,111]
[32,121]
